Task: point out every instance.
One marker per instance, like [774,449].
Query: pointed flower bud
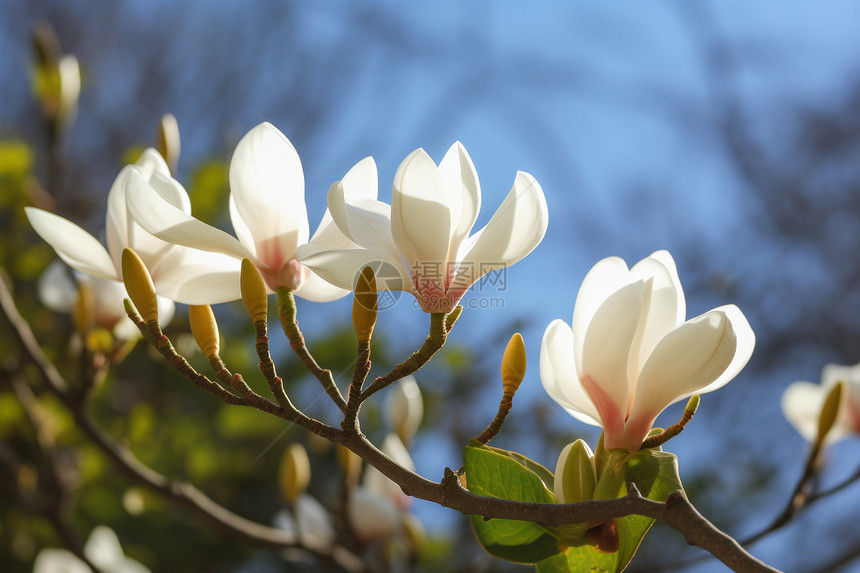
[350,464]
[514,364]
[295,472]
[139,285]
[575,474]
[169,144]
[829,412]
[365,305]
[253,291]
[84,312]
[204,328]
[404,408]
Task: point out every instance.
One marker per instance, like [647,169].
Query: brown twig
[287,314]
[490,432]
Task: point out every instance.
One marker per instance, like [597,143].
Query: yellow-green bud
[829,412]
[84,310]
[350,464]
[513,364]
[139,285]
[254,292]
[365,305]
[204,328]
[575,474]
[295,472]
[169,144]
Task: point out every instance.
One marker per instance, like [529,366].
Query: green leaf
[554,564]
[489,472]
[544,474]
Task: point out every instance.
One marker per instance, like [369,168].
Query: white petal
[516,228]
[59,561]
[420,212]
[366,222]
[103,548]
[191,276]
[56,288]
[606,349]
[744,346]
[459,175]
[341,267]
[666,306]
[604,278]
[170,224]
[372,515]
[687,360]
[268,186]
[404,407]
[316,289]
[150,162]
[117,230]
[76,247]
[558,373]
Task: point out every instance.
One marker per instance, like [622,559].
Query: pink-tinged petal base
[431,298]
[611,417]
[292,274]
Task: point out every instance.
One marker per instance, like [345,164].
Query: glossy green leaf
[555,564]
[494,474]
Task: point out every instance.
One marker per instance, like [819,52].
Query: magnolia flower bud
[829,412]
[204,328]
[295,472]
[575,474]
[350,464]
[365,305]
[253,292]
[139,285]
[169,144]
[83,312]
[404,408]
[513,364]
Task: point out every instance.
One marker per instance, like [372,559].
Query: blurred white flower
[315,525]
[424,236]
[267,209]
[377,507]
[404,408]
[177,272]
[629,352]
[58,291]
[102,549]
[802,403]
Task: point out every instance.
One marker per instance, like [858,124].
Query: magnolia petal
[605,351]
[151,162]
[316,289]
[192,276]
[56,288]
[76,247]
[421,213]
[315,523]
[372,515]
[665,310]
[459,175]
[243,233]
[558,373]
[744,346]
[365,222]
[268,186]
[341,267]
[51,560]
[117,229]
[801,405]
[604,278]
[686,360]
[515,229]
[150,248]
[170,224]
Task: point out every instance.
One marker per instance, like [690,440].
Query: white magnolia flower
[177,272]
[629,353]
[377,508]
[315,525]
[58,291]
[404,408]
[102,549]
[802,403]
[422,242]
[267,209]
